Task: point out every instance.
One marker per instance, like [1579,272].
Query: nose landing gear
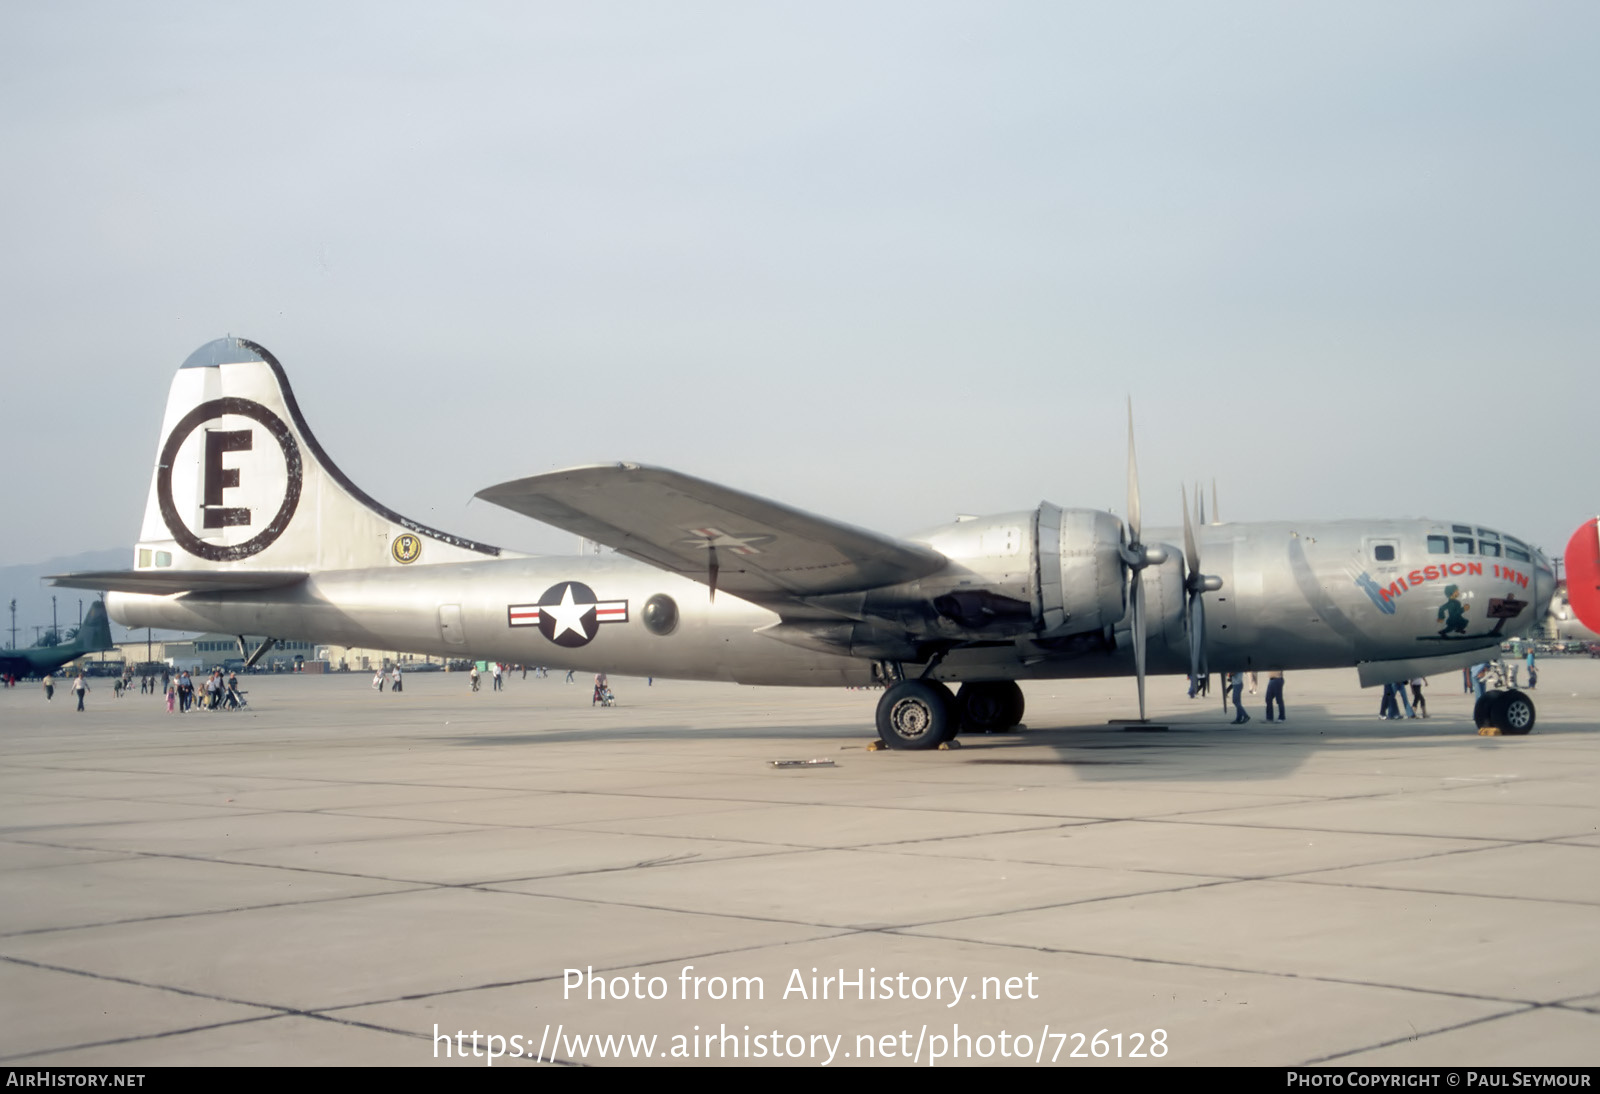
[1504,713]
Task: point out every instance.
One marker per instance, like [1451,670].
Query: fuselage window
[1383,552]
[1438,545]
[1463,545]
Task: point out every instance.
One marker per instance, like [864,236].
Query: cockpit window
[1461,528]
[1438,545]
[1463,545]
[1484,533]
[1517,553]
[1515,542]
[1485,547]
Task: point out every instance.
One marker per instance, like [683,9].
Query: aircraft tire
[1483,709]
[1513,714]
[989,706]
[1014,704]
[916,714]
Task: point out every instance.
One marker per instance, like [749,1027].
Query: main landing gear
[1503,712]
[919,714]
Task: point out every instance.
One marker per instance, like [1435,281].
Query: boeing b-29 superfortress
[251,529]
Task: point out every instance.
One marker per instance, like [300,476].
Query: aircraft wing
[165,582]
[751,547]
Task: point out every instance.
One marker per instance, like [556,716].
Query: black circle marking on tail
[181,532]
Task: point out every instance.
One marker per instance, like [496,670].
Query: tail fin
[241,483]
[1583,573]
[94,634]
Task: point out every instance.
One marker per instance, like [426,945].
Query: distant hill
[26,583]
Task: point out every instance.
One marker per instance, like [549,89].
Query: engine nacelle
[1083,547]
[1044,572]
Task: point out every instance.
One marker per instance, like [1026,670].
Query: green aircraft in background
[92,637]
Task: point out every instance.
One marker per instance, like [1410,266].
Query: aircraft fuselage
[1293,596]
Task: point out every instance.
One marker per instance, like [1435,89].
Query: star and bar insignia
[740,544]
[569,614]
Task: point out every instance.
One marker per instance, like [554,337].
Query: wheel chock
[1489,731]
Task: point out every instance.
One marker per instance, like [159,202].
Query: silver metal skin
[250,514]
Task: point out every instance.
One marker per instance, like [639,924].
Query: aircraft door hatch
[450,628]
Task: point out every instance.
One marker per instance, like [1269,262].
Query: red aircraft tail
[1583,573]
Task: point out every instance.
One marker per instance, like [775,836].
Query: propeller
[1137,555]
[1195,585]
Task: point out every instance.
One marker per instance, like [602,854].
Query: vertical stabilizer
[241,483]
[95,633]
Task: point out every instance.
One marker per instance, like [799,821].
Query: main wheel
[916,714]
[1512,714]
[989,706]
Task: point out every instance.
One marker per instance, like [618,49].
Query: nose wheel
[1508,713]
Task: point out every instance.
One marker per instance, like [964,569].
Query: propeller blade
[1216,510]
[1191,553]
[1136,595]
[1197,636]
[1133,481]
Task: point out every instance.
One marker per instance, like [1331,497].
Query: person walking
[81,686]
[377,681]
[473,676]
[396,679]
[49,687]
[1236,681]
[1275,693]
[497,678]
[1417,684]
[1400,694]
[1388,708]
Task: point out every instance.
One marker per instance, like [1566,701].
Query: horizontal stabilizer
[166,582]
[747,545]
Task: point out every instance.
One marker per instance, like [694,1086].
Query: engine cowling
[1045,572]
[1087,555]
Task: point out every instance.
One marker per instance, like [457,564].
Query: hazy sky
[884,261]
